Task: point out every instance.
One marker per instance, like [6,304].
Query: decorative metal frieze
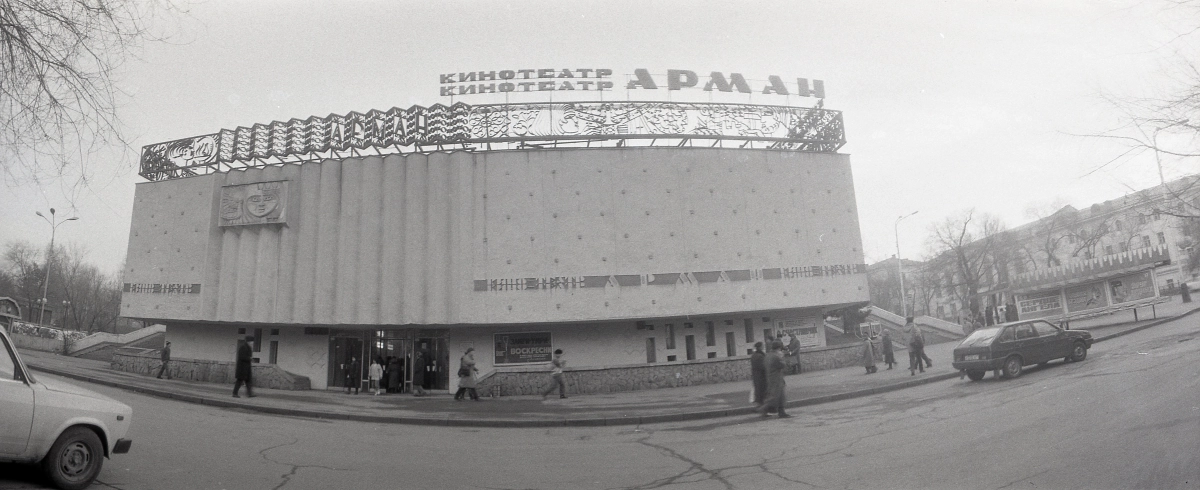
[495,127]
[665,279]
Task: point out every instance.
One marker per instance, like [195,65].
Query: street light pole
[900,265]
[49,254]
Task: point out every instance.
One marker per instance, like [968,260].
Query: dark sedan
[1012,346]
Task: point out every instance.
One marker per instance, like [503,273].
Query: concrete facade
[583,243]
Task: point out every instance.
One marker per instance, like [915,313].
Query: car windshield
[981,337]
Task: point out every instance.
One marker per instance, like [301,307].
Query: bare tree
[22,263]
[94,298]
[1166,124]
[964,248]
[58,95]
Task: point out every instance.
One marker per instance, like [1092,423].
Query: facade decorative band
[667,279]
[495,127]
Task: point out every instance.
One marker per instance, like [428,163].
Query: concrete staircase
[936,330]
[102,346]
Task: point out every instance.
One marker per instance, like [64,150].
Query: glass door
[435,361]
[341,349]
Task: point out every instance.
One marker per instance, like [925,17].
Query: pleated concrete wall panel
[451,238]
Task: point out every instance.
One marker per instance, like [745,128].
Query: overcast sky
[947,105]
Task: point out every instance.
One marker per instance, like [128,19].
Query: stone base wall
[263,375]
[37,343]
[532,380]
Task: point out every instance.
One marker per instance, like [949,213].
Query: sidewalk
[626,408]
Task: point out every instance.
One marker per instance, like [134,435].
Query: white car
[66,429]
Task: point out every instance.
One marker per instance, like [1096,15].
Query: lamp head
[39,213]
[73,218]
[51,211]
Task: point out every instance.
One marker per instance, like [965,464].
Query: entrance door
[393,355]
[436,363]
[690,342]
[341,349]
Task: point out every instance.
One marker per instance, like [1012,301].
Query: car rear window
[981,337]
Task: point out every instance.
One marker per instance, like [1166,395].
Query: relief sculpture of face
[262,199]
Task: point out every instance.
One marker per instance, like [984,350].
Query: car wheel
[1012,367]
[976,375]
[1079,352]
[75,459]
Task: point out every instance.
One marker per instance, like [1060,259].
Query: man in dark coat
[241,370]
[418,372]
[166,360]
[776,398]
[758,373]
[353,375]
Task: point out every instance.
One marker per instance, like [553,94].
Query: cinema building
[654,242]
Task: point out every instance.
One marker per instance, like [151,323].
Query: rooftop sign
[600,80]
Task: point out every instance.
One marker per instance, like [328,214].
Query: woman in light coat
[466,376]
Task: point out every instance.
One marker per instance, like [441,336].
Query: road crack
[287,477]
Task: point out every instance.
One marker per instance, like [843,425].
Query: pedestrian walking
[758,373]
[466,376]
[166,359]
[375,374]
[889,357]
[241,369]
[556,375]
[869,355]
[418,372]
[776,386]
[353,375]
[916,347]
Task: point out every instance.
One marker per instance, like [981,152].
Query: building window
[670,336]
[1145,241]
[749,330]
[1162,239]
[273,355]
[1170,284]
[671,358]
[1108,250]
[241,331]
[712,355]
[710,334]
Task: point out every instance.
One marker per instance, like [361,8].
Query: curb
[447,421]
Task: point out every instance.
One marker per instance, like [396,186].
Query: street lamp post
[900,265]
[49,254]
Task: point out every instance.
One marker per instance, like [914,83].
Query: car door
[1054,343]
[1027,343]
[1006,343]
[16,402]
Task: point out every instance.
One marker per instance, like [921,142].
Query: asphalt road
[1127,417]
